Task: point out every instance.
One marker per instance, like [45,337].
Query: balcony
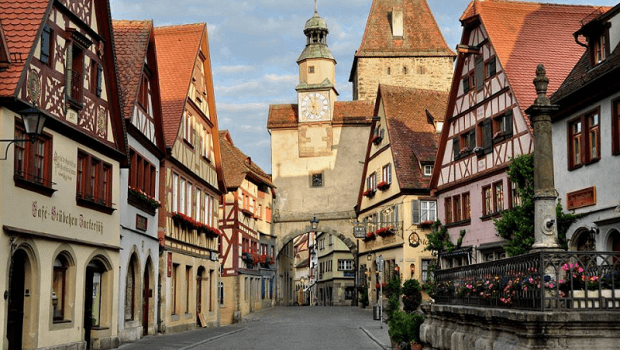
[543,281]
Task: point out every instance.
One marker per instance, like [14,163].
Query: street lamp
[33,120]
[315,223]
[359,231]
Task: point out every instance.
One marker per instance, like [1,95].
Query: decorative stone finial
[315,10]
[541,82]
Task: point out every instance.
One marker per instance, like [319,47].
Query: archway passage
[15,319]
[199,280]
[317,268]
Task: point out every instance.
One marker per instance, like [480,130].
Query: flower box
[376,139]
[369,192]
[370,236]
[426,224]
[479,151]
[385,231]
[143,201]
[593,298]
[465,151]
[383,185]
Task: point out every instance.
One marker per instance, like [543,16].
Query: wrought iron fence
[545,281]
[395,227]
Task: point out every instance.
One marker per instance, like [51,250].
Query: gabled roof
[345,113]
[412,136]
[421,35]
[132,39]
[525,34]
[584,75]
[21,22]
[236,166]
[5,56]
[177,48]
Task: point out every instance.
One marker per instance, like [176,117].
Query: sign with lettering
[581,198]
[359,231]
[64,168]
[65,217]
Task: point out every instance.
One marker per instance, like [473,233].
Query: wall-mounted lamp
[314,223]
[33,120]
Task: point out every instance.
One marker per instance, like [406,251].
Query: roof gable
[421,35]
[517,31]
[21,22]
[413,139]
[345,113]
[236,166]
[177,49]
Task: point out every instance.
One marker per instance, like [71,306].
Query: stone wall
[448,327]
[432,73]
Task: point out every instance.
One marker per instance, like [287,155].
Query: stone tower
[402,46]
[316,93]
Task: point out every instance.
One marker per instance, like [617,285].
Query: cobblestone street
[283,328]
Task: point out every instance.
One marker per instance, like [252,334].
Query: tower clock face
[314,106]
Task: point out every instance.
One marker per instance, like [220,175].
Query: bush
[405,327]
[364,298]
[412,295]
[392,292]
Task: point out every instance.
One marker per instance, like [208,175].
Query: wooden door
[145,301]
[15,320]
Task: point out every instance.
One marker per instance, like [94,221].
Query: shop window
[33,161]
[94,182]
[584,139]
[59,288]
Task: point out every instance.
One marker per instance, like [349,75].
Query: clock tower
[316,92]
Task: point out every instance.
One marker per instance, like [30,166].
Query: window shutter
[45,44]
[396,214]
[415,204]
[479,72]
[99,79]
[389,173]
[508,123]
[487,133]
[455,147]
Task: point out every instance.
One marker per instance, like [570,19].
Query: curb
[211,339]
[375,339]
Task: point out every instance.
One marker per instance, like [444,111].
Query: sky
[255,43]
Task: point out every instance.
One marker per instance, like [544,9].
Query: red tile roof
[236,166]
[421,35]
[345,113]
[21,20]
[412,135]
[525,34]
[177,49]
[131,39]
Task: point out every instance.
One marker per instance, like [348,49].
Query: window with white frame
[182,196]
[387,173]
[198,205]
[428,170]
[424,210]
[175,192]
[345,265]
[189,206]
[427,273]
[371,182]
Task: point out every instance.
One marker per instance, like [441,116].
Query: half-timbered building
[586,136]
[139,263]
[486,126]
[191,181]
[60,193]
[247,250]
[394,198]
[402,46]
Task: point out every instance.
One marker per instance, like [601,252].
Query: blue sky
[254,45]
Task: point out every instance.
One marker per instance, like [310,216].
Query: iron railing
[545,281]
[395,226]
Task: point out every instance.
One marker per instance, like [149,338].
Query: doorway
[92,299]
[146,295]
[15,321]
[199,278]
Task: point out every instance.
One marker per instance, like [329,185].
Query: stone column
[545,194]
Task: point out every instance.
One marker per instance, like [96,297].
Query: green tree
[517,224]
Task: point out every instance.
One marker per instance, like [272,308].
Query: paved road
[299,328]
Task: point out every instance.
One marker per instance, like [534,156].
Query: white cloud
[242,107]
[289,78]
[234,69]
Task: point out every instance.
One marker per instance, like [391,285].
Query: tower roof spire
[315,10]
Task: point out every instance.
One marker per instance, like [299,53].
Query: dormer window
[599,49]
